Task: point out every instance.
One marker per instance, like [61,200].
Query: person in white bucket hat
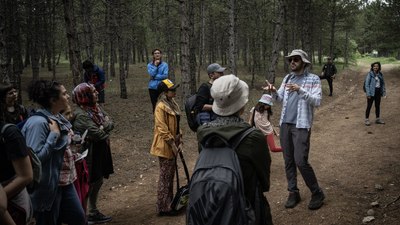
[260,118]
[230,96]
[300,93]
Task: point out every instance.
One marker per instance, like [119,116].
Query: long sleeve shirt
[310,95]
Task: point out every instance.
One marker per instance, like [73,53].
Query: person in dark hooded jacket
[230,96]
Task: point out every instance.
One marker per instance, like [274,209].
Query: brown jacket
[165,129]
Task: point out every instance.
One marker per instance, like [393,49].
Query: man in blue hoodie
[158,71]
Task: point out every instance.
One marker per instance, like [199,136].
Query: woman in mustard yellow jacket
[167,137]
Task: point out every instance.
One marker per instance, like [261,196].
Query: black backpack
[216,187]
[191,113]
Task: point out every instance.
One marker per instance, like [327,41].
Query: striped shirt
[310,95]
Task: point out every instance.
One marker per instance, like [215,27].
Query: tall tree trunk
[86,9]
[5,67]
[171,41]
[36,42]
[202,47]
[332,30]
[53,39]
[106,40]
[73,43]
[120,5]
[276,42]
[112,35]
[192,46]
[232,36]
[185,32]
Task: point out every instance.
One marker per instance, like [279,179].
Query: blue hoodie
[157,74]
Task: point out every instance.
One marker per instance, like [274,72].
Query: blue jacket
[370,84]
[49,147]
[157,74]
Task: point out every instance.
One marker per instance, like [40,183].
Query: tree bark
[185,32]
[276,42]
[86,9]
[73,43]
[232,36]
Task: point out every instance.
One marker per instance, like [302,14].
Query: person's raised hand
[269,87]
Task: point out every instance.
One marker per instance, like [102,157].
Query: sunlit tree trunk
[276,42]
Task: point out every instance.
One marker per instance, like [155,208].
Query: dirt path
[349,158]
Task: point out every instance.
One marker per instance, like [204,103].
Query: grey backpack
[216,188]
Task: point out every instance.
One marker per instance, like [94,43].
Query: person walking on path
[329,73]
[375,89]
[158,71]
[300,93]
[166,140]
[91,117]
[260,118]
[95,75]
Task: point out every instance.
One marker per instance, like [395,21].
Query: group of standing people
[220,103]
[68,180]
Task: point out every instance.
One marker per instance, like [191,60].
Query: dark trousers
[66,208]
[370,101]
[330,83]
[154,97]
[295,143]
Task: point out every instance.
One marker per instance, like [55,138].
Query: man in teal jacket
[158,71]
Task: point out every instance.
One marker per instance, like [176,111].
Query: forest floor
[356,165]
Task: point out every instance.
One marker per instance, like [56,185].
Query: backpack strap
[4,128]
[240,138]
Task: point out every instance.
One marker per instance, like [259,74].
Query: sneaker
[379,121]
[293,199]
[367,123]
[98,217]
[317,200]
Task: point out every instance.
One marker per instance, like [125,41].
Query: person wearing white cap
[204,100]
[230,96]
[300,93]
[260,118]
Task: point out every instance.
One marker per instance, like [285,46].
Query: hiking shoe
[367,123]
[317,200]
[293,199]
[98,217]
[379,121]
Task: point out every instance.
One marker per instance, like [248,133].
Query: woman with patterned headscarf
[90,116]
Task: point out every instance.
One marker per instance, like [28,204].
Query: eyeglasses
[295,59]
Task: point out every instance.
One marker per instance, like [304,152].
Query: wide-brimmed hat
[166,85]
[266,99]
[215,67]
[230,94]
[301,53]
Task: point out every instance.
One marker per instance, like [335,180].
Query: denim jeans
[66,209]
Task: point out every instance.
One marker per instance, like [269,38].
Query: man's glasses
[294,59]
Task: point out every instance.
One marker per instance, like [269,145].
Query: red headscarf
[84,98]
